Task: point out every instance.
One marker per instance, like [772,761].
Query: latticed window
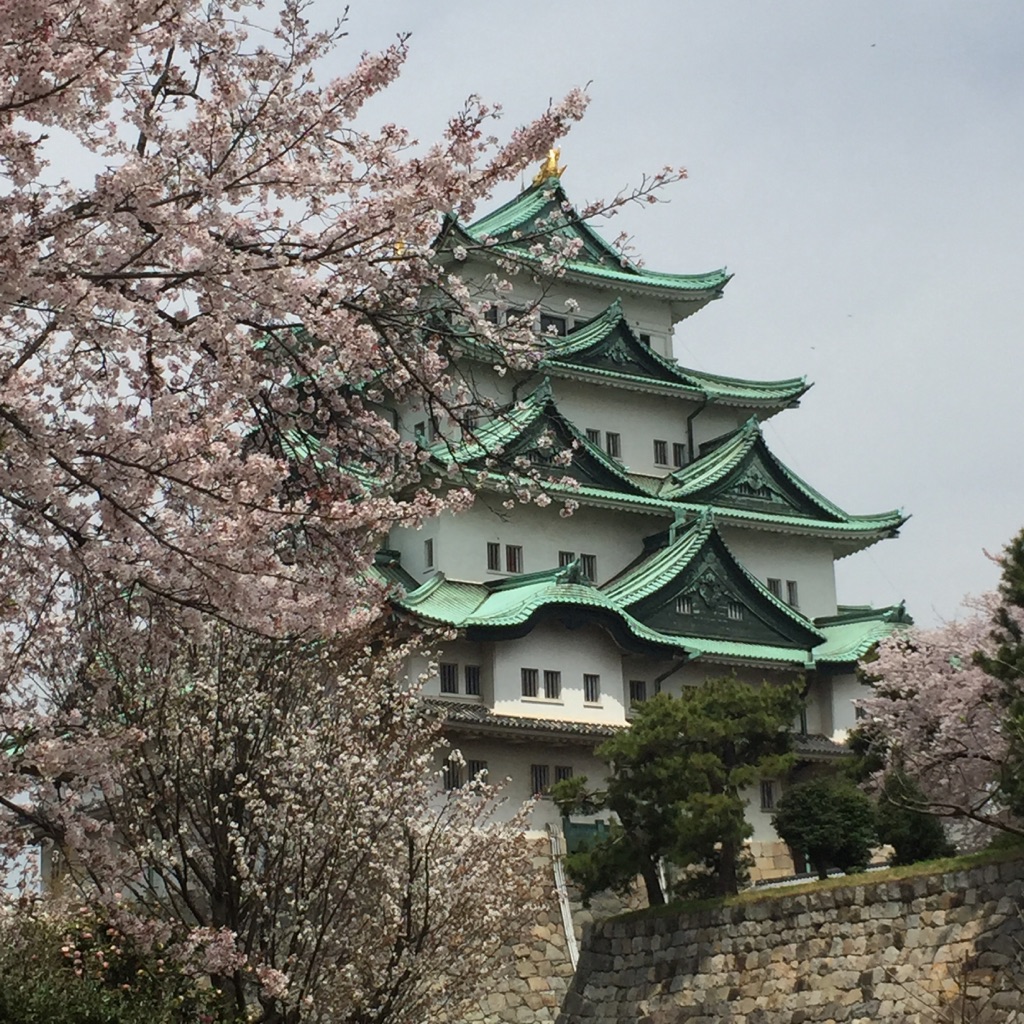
[637,691]
[792,596]
[563,772]
[566,557]
[775,587]
[591,688]
[594,436]
[452,775]
[540,778]
[661,453]
[529,678]
[449,678]
[678,455]
[684,604]
[553,325]
[735,610]
[493,556]
[428,553]
[613,444]
[588,566]
[767,795]
[475,768]
[552,685]
[471,678]
[513,558]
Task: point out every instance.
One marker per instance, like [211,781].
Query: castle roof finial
[549,168]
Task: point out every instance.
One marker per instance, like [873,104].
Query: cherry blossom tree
[271,811]
[943,715]
[202,332]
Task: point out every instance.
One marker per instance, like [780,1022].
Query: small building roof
[851,633]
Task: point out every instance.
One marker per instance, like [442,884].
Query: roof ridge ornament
[549,168]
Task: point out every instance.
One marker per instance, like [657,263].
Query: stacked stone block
[939,949]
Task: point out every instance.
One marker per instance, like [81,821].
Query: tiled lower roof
[814,746]
[469,714]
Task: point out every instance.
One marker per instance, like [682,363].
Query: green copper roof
[740,479]
[543,212]
[721,600]
[512,604]
[854,631]
[535,430]
[608,346]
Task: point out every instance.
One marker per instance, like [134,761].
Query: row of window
[449,672]
[531,679]
[513,559]
[456,775]
[792,593]
[541,775]
[613,446]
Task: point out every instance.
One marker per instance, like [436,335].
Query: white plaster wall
[508,764]
[808,560]
[573,652]
[460,549]
[846,689]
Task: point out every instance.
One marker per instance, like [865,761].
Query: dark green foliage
[1007,665]
[676,781]
[830,820]
[913,835]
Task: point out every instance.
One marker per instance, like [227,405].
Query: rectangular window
[775,587]
[428,553]
[474,769]
[471,678]
[591,688]
[661,453]
[420,431]
[553,325]
[563,772]
[513,558]
[540,779]
[529,678]
[645,339]
[566,557]
[452,775]
[449,678]
[767,795]
[684,604]
[515,314]
[588,566]
[493,557]
[594,436]
[552,685]
[678,455]
[613,444]
[637,691]
[735,611]
[792,597]
[470,421]
[491,314]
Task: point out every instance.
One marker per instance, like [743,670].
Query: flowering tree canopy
[157,322]
[943,711]
[202,330]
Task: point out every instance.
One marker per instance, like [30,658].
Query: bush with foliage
[830,820]
[80,967]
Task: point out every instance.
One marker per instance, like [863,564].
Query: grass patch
[921,869]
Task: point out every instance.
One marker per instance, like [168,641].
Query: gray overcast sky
[858,167]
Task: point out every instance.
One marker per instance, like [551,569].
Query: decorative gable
[695,587]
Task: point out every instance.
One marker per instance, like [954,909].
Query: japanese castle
[637,535]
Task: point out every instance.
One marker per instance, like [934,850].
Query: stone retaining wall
[939,949]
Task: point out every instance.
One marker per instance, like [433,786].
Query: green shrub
[830,820]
